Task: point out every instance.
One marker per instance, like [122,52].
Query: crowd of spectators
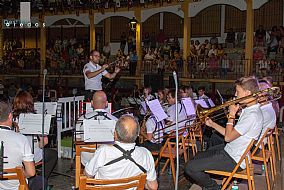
[268,54]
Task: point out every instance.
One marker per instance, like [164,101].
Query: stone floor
[63,178]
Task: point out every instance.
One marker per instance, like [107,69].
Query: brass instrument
[272,94]
[143,134]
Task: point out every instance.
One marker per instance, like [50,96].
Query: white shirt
[269,119]
[172,116]
[124,168]
[17,149]
[93,83]
[152,126]
[249,127]
[86,156]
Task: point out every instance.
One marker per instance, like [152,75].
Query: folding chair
[168,151]
[91,148]
[276,135]
[16,174]
[113,184]
[264,156]
[245,174]
[190,139]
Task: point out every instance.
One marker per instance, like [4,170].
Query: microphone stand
[42,129]
[177,143]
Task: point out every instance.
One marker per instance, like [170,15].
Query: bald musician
[99,104]
[238,136]
[114,162]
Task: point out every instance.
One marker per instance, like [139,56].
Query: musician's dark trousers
[215,158]
[50,161]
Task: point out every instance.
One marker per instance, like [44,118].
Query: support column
[249,38]
[107,30]
[186,37]
[223,19]
[1,38]
[42,46]
[92,31]
[137,14]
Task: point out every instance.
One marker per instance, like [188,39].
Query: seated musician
[171,112]
[17,149]
[238,137]
[112,161]
[99,104]
[269,115]
[154,134]
[23,103]
[147,96]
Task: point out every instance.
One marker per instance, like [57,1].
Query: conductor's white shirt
[124,168]
[17,150]
[93,83]
[249,127]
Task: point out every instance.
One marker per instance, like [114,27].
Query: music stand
[1,160]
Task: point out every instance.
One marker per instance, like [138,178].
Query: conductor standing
[93,73]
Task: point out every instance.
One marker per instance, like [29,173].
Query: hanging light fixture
[132,24]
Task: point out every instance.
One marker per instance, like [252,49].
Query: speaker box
[155,81]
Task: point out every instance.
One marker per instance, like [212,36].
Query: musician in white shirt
[93,73]
[171,112]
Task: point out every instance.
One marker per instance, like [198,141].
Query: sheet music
[50,107]
[89,107]
[157,110]
[203,103]
[98,130]
[189,107]
[31,124]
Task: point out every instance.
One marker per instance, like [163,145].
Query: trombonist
[238,137]
[93,73]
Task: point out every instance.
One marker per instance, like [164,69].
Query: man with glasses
[93,73]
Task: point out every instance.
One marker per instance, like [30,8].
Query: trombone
[270,94]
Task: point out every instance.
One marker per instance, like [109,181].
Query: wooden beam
[107,30]
[92,31]
[186,37]
[138,16]
[249,38]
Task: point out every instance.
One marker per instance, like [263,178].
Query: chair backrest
[113,184]
[260,142]
[245,156]
[91,148]
[16,174]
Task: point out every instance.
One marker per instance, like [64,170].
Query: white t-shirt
[124,168]
[94,83]
[249,127]
[17,149]
[172,116]
[152,126]
[269,119]
[86,156]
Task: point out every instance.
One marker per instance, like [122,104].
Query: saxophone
[143,131]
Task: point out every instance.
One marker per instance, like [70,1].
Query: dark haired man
[93,73]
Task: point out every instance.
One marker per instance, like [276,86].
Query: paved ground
[66,181]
